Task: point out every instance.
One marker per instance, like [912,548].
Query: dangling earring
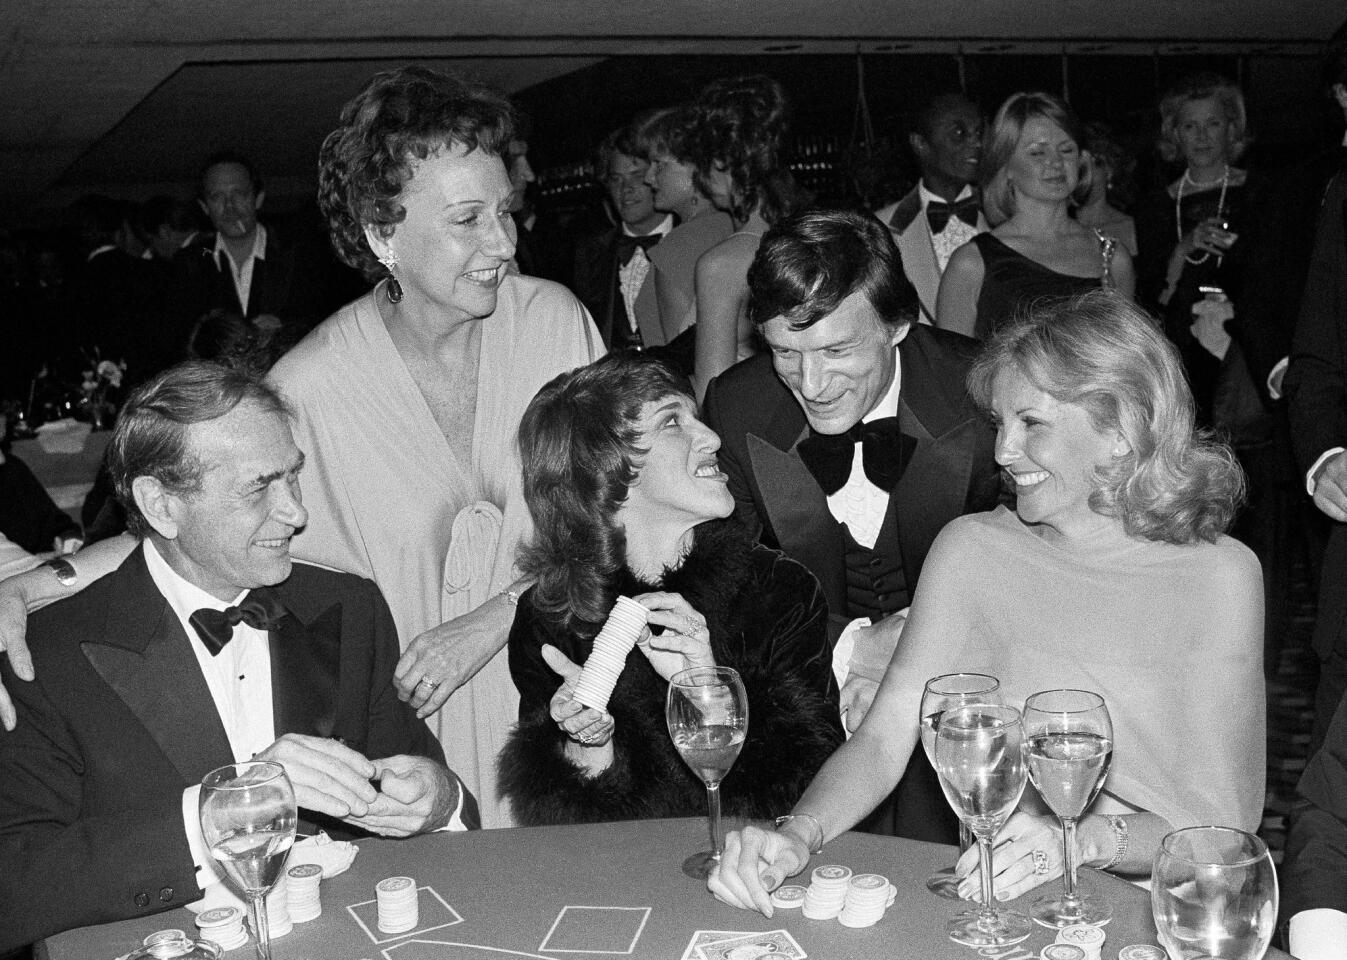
[393,289]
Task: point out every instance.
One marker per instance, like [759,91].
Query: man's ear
[1340,95]
[257,202]
[160,508]
[919,145]
[202,204]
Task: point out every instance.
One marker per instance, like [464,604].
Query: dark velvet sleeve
[1315,871]
[28,516]
[785,659]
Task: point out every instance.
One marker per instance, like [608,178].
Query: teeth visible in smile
[1029,479]
[708,470]
[481,276]
[273,543]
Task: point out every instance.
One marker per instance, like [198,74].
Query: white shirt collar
[663,229]
[888,405]
[927,196]
[259,251]
[98,250]
[182,595]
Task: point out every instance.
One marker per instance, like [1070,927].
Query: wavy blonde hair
[1101,352]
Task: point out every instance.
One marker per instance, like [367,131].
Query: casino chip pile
[609,655]
[301,884]
[1089,939]
[398,908]
[224,926]
[834,893]
[1084,942]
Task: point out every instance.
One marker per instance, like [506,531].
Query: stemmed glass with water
[1069,746]
[248,818]
[707,713]
[979,756]
[942,693]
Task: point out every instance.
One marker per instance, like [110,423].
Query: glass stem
[1069,860]
[713,818]
[965,838]
[257,915]
[988,913]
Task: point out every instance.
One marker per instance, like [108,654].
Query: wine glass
[1068,745]
[1214,894]
[941,693]
[248,820]
[707,713]
[979,755]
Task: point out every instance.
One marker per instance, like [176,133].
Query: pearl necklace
[1178,207]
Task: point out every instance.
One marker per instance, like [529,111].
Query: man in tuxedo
[207,646]
[944,210]
[612,272]
[851,442]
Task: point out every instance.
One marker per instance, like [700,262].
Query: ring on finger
[1040,861]
[432,683]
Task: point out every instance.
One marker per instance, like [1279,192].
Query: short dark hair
[151,436]
[930,112]
[1333,60]
[400,115]
[619,142]
[579,444]
[230,156]
[808,264]
[162,209]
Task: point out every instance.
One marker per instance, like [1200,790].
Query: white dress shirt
[242,273]
[631,275]
[956,232]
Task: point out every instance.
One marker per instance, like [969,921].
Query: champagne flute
[941,693]
[248,820]
[707,713]
[979,754]
[1214,894]
[1069,745]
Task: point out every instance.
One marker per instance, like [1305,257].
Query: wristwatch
[64,570]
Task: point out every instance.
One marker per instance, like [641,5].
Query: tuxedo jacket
[1315,871]
[912,232]
[120,721]
[951,470]
[285,284]
[598,285]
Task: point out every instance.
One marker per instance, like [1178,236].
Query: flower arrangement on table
[99,387]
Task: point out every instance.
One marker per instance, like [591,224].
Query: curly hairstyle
[1102,352]
[402,115]
[998,196]
[809,263]
[579,443]
[738,126]
[1203,86]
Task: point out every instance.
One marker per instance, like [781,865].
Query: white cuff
[206,873]
[1309,474]
[1318,934]
[843,649]
[1274,378]
[456,818]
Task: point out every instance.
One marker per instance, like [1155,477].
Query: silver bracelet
[511,597]
[813,850]
[1121,836]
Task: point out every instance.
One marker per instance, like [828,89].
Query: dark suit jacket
[598,286]
[120,721]
[1315,870]
[951,471]
[285,284]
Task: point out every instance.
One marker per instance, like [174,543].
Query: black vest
[876,583]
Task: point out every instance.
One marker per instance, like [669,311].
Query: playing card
[703,938]
[774,944]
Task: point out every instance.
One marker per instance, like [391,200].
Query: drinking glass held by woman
[628,500]
[1112,575]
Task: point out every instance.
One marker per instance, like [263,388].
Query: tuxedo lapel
[918,252]
[305,673]
[796,507]
[143,654]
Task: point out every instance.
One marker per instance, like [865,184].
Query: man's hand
[1330,488]
[444,658]
[416,794]
[328,776]
[13,629]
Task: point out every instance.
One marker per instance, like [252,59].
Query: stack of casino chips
[301,884]
[398,910]
[224,926]
[278,911]
[609,655]
[789,897]
[827,893]
[1089,939]
[868,896]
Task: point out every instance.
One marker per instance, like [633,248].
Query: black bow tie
[885,450]
[259,609]
[938,212]
[626,245]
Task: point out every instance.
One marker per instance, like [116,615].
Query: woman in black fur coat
[627,499]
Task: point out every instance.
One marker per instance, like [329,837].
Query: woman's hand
[444,658]
[584,725]
[1028,853]
[756,862]
[1209,236]
[686,641]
